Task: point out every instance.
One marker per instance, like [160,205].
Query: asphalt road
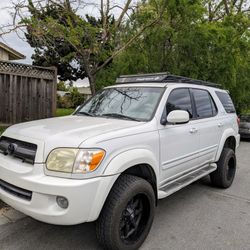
[197,217]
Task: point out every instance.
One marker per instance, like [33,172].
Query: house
[8,54]
[62,93]
[85,91]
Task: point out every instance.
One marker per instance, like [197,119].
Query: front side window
[132,103]
[179,99]
[205,106]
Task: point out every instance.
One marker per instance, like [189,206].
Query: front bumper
[86,197]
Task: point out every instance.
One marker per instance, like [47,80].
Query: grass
[2,130]
[63,112]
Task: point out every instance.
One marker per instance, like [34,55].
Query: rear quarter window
[226,101]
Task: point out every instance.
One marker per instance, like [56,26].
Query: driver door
[179,143]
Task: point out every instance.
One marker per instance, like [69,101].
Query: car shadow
[245,139]
[30,234]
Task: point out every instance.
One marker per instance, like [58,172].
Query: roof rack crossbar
[163,77]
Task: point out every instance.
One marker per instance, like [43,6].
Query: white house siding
[4,55]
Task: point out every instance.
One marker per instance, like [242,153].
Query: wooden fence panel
[26,92]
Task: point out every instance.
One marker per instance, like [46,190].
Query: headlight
[88,160]
[70,160]
[62,160]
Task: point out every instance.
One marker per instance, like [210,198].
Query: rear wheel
[226,167]
[127,215]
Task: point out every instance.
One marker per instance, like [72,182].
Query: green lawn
[63,112]
[2,130]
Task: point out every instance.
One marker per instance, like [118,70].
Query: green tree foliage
[198,39]
[62,86]
[204,39]
[79,46]
[71,99]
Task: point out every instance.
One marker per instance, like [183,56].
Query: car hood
[68,131]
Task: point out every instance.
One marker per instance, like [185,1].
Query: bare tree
[92,57]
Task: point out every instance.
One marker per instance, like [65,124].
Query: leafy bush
[71,100]
[76,97]
[64,112]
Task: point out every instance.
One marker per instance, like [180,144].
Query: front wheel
[226,167]
[127,215]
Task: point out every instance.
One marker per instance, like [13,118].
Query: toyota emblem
[11,148]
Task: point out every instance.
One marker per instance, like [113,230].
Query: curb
[8,214]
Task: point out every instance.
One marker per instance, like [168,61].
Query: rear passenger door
[207,124]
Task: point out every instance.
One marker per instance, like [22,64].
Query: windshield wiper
[115,115]
[84,113]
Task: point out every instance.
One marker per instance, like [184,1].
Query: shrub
[71,100]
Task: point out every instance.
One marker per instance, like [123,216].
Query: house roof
[13,54]
[84,90]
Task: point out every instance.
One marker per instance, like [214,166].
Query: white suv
[130,145]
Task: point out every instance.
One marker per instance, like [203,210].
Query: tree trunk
[92,84]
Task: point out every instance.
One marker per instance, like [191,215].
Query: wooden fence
[26,92]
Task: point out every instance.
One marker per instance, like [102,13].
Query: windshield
[132,103]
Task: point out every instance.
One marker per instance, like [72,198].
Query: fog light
[62,202]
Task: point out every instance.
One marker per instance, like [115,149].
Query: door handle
[193,130]
[220,125]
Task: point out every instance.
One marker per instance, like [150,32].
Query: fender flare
[130,158]
[227,133]
[115,167]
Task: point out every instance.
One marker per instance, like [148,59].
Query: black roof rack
[164,77]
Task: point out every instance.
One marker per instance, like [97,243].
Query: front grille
[16,191]
[23,150]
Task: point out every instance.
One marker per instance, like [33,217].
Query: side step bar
[184,180]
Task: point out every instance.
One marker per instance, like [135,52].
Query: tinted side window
[179,99]
[226,101]
[205,106]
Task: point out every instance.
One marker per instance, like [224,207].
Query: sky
[12,39]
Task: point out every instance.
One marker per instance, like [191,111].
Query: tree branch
[226,7]
[116,53]
[125,9]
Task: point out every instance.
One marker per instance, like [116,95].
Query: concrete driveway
[197,217]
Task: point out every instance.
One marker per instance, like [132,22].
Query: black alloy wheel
[127,215]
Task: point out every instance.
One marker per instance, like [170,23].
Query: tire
[127,215]
[226,167]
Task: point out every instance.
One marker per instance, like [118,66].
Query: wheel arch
[137,162]
[146,172]
[133,158]
[228,140]
[230,143]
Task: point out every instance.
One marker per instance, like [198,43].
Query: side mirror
[178,117]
